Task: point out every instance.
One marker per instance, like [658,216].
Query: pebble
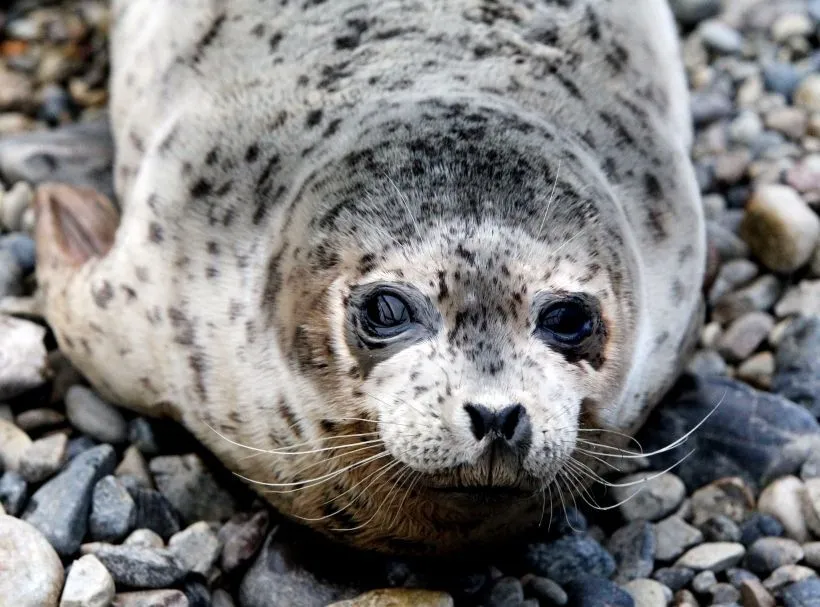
[43,458]
[90,414]
[648,593]
[593,591]
[745,128]
[154,511]
[22,248]
[720,528]
[730,497]
[692,12]
[798,364]
[803,594]
[790,25]
[707,362]
[704,581]
[758,370]
[769,553]
[787,574]
[780,228]
[145,538]
[684,598]
[13,204]
[222,599]
[152,598]
[732,274]
[757,526]
[781,77]
[191,489]
[405,597]
[658,497]
[505,591]
[811,554]
[113,511]
[673,536]
[88,584]
[811,505]
[723,593]
[789,121]
[744,336]
[807,94]
[783,500]
[547,591]
[39,419]
[708,106]
[713,556]
[801,299]
[761,294]
[59,509]
[133,464]
[568,558]
[633,548]
[731,166]
[674,578]
[23,354]
[720,38]
[196,547]
[242,536]
[13,492]
[811,467]
[13,445]
[753,594]
[36,577]
[138,566]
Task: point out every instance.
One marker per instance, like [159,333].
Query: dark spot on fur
[201,188]
[156,234]
[274,40]
[252,153]
[103,295]
[208,38]
[314,117]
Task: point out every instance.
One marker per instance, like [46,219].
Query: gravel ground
[99,507]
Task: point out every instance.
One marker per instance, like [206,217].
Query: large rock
[31,574]
[60,508]
[754,435]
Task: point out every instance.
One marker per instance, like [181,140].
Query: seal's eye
[568,322]
[386,314]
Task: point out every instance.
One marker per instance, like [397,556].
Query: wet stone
[59,509]
[568,558]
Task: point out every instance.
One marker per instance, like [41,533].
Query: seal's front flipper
[74,224]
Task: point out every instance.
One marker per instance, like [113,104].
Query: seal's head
[472,292]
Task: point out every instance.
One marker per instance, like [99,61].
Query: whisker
[329,475]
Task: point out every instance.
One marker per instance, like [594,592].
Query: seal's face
[479,370]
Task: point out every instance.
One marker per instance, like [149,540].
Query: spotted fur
[275,156]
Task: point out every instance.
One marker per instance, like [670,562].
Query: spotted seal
[388,259]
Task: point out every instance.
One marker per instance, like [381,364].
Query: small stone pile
[100,507]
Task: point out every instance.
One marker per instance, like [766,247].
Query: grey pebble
[568,558]
[759,525]
[506,591]
[674,577]
[39,419]
[744,336]
[769,553]
[737,576]
[113,511]
[151,598]
[703,582]
[138,566]
[759,295]
[633,548]
[141,435]
[719,37]
[13,492]
[242,536]
[673,537]
[59,509]
[154,511]
[191,489]
[145,538]
[803,594]
[786,575]
[21,246]
[724,593]
[720,528]
[196,547]
[43,458]
[547,591]
[11,275]
[90,414]
[781,77]
[691,12]
[707,362]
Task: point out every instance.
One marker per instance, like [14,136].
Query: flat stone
[139,567]
[13,444]
[88,584]
[90,414]
[811,505]
[783,500]
[43,458]
[151,598]
[798,365]
[633,548]
[192,490]
[674,578]
[744,336]
[787,575]
[568,558]
[769,553]
[754,435]
[275,578]
[59,509]
[714,556]
[754,594]
[38,419]
[803,594]
[79,154]
[196,547]
[780,228]
[23,357]
[593,591]
[242,537]
[547,591]
[31,574]
[398,597]
[113,511]
[658,497]
[648,593]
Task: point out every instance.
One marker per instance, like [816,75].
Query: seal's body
[387,258]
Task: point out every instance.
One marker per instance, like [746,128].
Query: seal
[411,269]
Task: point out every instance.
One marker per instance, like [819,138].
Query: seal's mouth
[485,490]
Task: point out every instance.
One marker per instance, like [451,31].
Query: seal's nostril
[481,419]
[508,420]
[510,424]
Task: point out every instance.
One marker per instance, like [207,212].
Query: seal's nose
[510,425]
